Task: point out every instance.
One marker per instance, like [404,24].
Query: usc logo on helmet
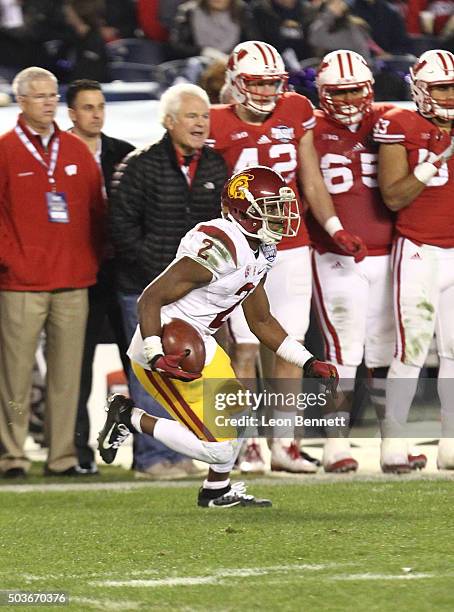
[238,184]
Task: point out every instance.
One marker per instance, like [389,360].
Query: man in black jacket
[86,108]
[159,194]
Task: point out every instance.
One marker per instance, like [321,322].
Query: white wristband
[294,352]
[152,346]
[425,172]
[333,225]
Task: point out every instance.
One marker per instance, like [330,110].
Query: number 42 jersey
[273,143]
[222,248]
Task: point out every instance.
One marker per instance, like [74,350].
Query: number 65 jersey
[348,161]
[429,219]
[222,248]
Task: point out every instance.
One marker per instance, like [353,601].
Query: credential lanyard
[34,151]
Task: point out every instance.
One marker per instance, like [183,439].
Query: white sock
[136,415]
[341,430]
[284,432]
[216,484]
[446,394]
[400,390]
[226,468]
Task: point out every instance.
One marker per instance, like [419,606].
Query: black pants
[103,309]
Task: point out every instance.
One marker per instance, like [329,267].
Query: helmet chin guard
[261,205]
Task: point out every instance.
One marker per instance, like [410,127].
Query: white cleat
[288,459]
[337,456]
[445,455]
[394,456]
[252,460]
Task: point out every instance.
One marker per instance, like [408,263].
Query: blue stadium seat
[131,72]
[136,50]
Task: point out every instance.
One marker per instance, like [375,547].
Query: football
[179,336]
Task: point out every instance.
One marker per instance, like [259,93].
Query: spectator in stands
[86,109]
[166,11]
[51,222]
[85,46]
[158,194]
[387,27]
[211,28]
[335,28]
[283,24]
[120,19]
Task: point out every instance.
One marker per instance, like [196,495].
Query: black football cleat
[234,495]
[117,426]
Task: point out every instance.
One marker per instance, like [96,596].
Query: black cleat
[117,426]
[234,495]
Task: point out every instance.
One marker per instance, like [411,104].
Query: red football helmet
[261,205]
[256,61]
[340,70]
[434,67]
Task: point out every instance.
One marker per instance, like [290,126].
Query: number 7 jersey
[273,143]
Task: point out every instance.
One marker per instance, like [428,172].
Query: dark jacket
[113,150]
[283,28]
[152,207]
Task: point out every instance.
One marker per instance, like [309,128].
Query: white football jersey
[222,248]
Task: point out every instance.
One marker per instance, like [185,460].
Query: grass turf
[325,547]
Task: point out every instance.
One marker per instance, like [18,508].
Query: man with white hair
[51,220]
[158,194]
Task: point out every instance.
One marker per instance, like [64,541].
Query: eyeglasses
[53,97]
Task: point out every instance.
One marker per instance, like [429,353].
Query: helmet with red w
[345,70]
[261,205]
[253,61]
[435,67]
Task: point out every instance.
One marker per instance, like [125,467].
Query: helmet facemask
[343,112]
[434,68]
[265,212]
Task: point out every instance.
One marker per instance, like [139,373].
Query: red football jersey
[429,219]
[348,160]
[274,143]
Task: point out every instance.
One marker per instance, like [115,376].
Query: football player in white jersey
[219,265]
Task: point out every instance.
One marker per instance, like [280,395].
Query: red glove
[350,244]
[170,365]
[327,372]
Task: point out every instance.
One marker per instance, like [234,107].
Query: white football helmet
[434,67]
[252,61]
[343,70]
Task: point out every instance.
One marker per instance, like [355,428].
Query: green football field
[349,545]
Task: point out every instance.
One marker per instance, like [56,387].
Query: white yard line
[106,604]
[288,479]
[385,577]
[216,577]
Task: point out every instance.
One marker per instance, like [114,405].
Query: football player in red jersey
[416,170]
[353,299]
[268,125]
